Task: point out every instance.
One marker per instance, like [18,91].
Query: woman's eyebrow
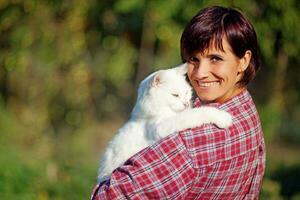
[214,55]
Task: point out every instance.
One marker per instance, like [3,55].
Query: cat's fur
[163,107]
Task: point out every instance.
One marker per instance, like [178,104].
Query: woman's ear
[244,61]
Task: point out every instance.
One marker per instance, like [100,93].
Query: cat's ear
[156,80]
[181,69]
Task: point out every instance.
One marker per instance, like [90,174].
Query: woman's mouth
[207,84]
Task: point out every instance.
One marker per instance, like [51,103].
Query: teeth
[209,84]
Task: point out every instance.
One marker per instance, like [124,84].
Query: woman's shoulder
[208,143]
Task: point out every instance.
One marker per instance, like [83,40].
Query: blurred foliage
[288,177]
[66,67]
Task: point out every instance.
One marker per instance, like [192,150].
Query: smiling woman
[222,52]
[205,162]
[214,73]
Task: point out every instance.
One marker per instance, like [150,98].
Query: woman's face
[214,73]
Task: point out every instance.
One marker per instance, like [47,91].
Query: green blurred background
[68,76]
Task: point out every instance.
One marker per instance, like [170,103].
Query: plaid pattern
[200,163]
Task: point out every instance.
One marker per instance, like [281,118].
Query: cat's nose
[186,105]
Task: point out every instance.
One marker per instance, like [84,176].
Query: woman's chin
[207,98]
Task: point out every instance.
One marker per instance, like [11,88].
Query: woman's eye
[215,59]
[193,59]
[175,95]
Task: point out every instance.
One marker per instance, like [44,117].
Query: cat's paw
[224,120]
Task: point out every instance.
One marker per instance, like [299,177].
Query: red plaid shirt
[199,163]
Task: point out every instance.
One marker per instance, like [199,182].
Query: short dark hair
[210,25]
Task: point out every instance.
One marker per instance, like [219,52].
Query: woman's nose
[202,70]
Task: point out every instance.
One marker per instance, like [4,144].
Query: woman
[220,47]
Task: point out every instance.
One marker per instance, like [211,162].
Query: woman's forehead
[217,46]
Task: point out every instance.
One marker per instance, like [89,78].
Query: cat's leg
[213,115]
[114,156]
[105,169]
[128,141]
[189,119]
[204,115]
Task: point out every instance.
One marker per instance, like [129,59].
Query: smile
[208,84]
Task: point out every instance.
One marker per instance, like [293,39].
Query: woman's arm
[161,171]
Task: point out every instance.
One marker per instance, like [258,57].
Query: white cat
[163,107]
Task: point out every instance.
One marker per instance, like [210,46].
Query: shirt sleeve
[161,171]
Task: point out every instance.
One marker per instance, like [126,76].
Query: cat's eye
[175,95]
